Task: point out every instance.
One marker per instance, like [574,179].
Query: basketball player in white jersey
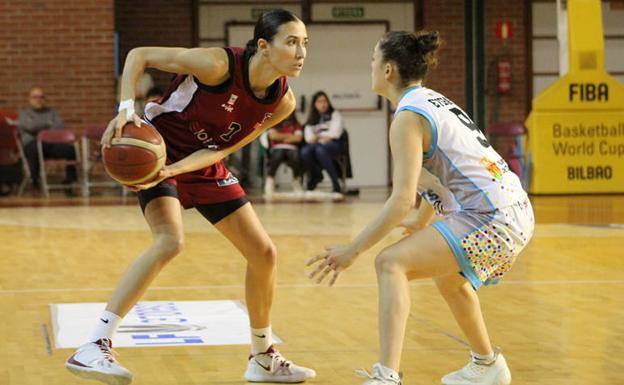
[486,218]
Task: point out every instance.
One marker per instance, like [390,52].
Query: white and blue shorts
[486,244]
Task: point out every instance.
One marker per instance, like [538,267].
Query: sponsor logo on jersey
[492,168]
[266,116]
[434,199]
[230,180]
[200,134]
[229,106]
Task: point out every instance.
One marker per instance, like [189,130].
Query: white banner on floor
[157,323]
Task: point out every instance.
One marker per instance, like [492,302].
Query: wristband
[127,105]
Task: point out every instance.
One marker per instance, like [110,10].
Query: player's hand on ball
[163,174]
[115,126]
[334,260]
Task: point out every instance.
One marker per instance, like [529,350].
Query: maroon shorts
[214,184]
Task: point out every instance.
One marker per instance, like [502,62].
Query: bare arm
[423,217]
[406,143]
[209,65]
[204,158]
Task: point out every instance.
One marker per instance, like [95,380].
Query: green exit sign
[348,12]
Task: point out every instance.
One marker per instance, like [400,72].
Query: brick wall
[448,78]
[64,46]
[447,17]
[512,106]
[162,23]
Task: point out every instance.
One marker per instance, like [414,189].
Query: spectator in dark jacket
[31,121]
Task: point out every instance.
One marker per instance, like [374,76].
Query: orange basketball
[137,156]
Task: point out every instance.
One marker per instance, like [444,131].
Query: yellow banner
[577,152]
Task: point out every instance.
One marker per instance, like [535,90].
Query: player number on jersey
[232,129]
[466,121]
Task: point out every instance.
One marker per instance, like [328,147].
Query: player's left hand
[163,174]
[335,258]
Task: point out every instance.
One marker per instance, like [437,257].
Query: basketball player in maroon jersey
[223,99]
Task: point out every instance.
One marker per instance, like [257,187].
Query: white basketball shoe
[495,373]
[95,360]
[271,366]
[380,376]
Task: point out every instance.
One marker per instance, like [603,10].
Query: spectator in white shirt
[322,133]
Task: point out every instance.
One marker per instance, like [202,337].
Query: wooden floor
[559,314]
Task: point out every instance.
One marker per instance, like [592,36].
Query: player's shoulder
[214,64]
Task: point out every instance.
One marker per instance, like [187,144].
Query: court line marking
[307,286]
[437,329]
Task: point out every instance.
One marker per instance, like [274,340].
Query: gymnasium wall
[64,46]
[154,23]
[67,47]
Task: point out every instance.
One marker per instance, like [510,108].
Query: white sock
[485,359]
[106,326]
[260,340]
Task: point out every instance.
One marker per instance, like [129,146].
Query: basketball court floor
[558,315]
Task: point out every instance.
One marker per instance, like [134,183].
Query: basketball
[137,156]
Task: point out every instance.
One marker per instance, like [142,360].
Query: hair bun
[427,41]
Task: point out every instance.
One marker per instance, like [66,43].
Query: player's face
[287,51]
[378,78]
[321,104]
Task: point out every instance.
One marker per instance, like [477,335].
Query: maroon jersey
[193,116]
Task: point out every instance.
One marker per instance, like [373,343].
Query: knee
[169,246]
[387,262]
[321,151]
[306,152]
[264,257]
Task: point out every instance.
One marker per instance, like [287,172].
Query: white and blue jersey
[461,157]
[488,218]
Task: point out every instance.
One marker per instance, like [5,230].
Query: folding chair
[92,156]
[57,136]
[11,151]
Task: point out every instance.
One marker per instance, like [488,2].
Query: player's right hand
[115,126]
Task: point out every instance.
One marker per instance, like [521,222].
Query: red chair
[11,151]
[57,136]
[92,156]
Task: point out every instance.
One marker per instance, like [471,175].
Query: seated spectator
[322,133]
[284,140]
[39,117]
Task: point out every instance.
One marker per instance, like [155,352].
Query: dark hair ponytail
[413,53]
[267,26]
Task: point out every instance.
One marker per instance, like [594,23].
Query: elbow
[136,55]
[403,203]
[134,52]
